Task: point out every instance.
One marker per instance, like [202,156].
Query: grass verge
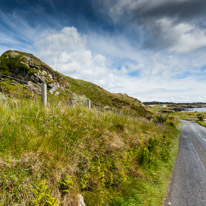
[50,155]
[198,117]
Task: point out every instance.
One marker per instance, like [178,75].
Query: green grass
[49,155]
[151,187]
[202,123]
[102,98]
[192,116]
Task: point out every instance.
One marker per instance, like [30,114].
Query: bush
[200,117]
[160,118]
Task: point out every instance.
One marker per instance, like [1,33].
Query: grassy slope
[100,97]
[103,98]
[49,155]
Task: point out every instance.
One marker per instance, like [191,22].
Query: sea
[201,109]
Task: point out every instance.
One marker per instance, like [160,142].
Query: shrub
[200,116]
[160,118]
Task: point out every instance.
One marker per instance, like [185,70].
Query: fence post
[89,103]
[44,93]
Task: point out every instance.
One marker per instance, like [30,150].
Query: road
[188,186]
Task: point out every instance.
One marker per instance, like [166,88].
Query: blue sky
[151,50]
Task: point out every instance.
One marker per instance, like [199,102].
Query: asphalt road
[188,186]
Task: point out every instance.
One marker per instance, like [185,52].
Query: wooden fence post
[44,93]
[89,103]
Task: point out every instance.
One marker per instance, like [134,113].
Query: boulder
[33,87]
[53,89]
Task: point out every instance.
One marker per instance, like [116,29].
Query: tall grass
[49,155]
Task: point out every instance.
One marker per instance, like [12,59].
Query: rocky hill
[26,69]
[21,75]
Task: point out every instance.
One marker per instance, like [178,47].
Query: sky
[153,50]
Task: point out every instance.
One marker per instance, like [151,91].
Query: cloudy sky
[149,49]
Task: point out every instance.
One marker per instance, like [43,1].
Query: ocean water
[201,109]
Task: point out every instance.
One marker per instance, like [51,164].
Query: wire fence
[43,94]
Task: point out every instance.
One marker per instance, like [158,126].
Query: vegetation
[11,63]
[203,123]
[102,98]
[192,116]
[23,66]
[200,116]
[49,155]
[117,153]
[169,111]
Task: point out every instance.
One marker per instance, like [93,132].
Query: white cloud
[116,46]
[171,74]
[184,37]
[67,51]
[165,23]
[184,90]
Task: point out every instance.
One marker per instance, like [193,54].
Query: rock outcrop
[29,70]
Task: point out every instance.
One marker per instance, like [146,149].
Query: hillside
[66,154]
[102,98]
[21,75]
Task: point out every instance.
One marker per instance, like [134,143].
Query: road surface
[188,186]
